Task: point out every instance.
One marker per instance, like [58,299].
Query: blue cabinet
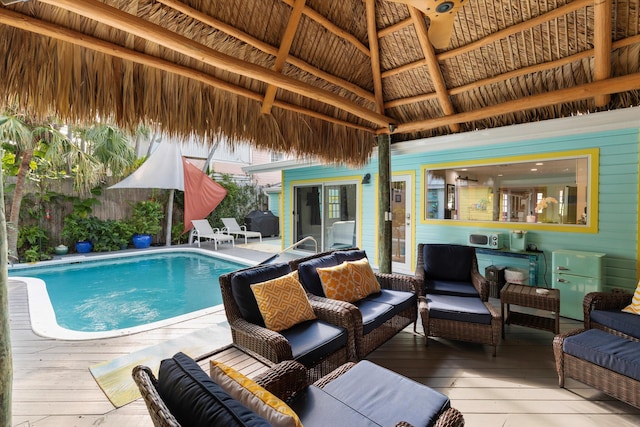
[525,260]
[575,274]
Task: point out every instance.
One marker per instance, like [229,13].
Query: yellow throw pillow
[337,283]
[253,396]
[283,302]
[634,307]
[364,278]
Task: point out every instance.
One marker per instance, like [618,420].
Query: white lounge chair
[231,226]
[202,230]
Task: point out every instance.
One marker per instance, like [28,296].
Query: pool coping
[42,315]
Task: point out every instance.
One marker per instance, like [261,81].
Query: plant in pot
[79,230]
[145,222]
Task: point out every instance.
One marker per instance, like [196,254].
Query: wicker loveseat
[321,344]
[354,394]
[376,317]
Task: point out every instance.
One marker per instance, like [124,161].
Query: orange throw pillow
[337,283]
[362,274]
[283,302]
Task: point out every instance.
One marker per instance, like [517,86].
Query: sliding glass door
[326,212]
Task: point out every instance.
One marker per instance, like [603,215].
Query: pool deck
[53,385]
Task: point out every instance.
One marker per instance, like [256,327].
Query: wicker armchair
[450,313]
[365,343]
[253,335]
[475,278]
[607,302]
[286,380]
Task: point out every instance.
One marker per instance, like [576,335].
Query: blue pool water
[121,293]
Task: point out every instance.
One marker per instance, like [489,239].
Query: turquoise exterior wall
[617,234]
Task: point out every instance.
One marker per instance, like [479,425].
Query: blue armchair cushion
[448,287]
[626,323]
[243,295]
[461,309]
[603,349]
[448,262]
[195,399]
[313,340]
[309,276]
[386,397]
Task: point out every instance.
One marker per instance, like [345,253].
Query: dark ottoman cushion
[386,397]
[195,400]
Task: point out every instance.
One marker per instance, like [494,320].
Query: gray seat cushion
[627,323]
[317,408]
[374,314]
[461,309]
[603,349]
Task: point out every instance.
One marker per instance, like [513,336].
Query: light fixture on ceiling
[8,2]
[366,179]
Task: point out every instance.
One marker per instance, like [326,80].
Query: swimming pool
[106,296]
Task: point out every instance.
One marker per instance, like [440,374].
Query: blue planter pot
[141,241]
[84,247]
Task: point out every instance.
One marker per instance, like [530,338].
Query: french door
[401,224]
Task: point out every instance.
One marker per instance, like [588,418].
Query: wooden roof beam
[27,23]
[333,28]
[432,65]
[560,96]
[374,48]
[267,48]
[511,74]
[283,52]
[602,45]
[133,25]
[514,29]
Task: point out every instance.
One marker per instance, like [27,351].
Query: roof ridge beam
[374,48]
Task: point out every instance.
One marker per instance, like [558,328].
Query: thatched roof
[321,77]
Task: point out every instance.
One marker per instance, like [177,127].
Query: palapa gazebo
[325,78]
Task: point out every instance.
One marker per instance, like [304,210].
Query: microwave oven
[486,240]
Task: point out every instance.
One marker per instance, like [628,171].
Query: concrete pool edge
[42,316]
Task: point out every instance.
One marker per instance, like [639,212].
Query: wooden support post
[384,203]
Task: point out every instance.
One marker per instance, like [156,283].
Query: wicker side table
[527,296]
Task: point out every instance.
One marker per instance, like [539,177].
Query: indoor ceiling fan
[441,15]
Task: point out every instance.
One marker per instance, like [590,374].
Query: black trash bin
[263,221]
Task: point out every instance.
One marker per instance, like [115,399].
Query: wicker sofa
[353,394]
[376,317]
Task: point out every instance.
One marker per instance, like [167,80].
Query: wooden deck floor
[54,387]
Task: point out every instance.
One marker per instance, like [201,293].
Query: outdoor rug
[114,376]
